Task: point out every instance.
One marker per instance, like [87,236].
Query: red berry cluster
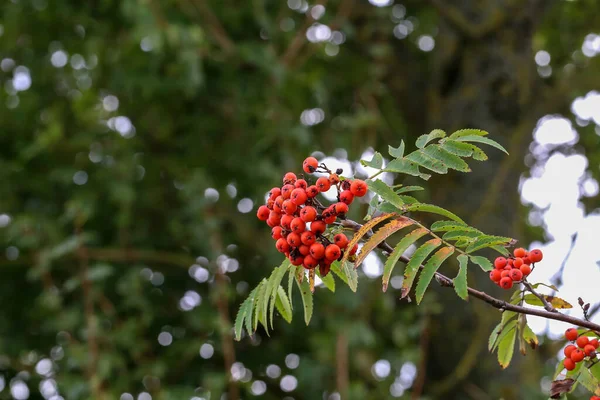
[583,347]
[299,220]
[514,269]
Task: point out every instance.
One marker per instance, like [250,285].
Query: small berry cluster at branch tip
[584,348]
[299,221]
[514,269]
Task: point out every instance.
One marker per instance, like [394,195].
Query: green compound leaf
[400,248]
[386,193]
[424,139]
[431,267]
[415,262]
[430,208]
[460,282]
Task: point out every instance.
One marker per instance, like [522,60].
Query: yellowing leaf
[363,231]
[382,233]
[556,302]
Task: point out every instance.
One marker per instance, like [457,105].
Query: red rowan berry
[341,240]
[308,238]
[263,213]
[310,262]
[496,275]
[276,232]
[304,249]
[318,227]
[324,268]
[517,262]
[310,164]
[312,191]
[296,259]
[289,177]
[510,262]
[571,334]
[330,219]
[282,245]
[526,260]
[500,262]
[354,249]
[595,398]
[308,214]
[525,269]
[332,252]
[358,188]
[274,217]
[334,179]
[286,221]
[289,207]
[297,225]
[270,204]
[577,355]
[582,341]
[323,184]
[520,252]
[536,255]
[506,283]
[346,185]
[317,250]
[286,191]
[278,203]
[589,350]
[293,239]
[569,364]
[505,273]
[346,197]
[298,196]
[569,349]
[301,184]
[516,275]
[595,343]
[341,208]
[274,193]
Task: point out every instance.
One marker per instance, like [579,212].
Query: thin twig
[547,305]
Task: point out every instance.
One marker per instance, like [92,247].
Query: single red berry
[520,252]
[323,184]
[595,398]
[589,350]
[282,245]
[577,355]
[270,204]
[293,239]
[296,259]
[290,177]
[317,250]
[310,164]
[526,260]
[289,207]
[506,283]
[274,193]
[341,240]
[301,184]
[276,232]
[312,191]
[536,255]
[346,197]
[569,364]
[358,188]
[298,196]
[525,269]
[510,262]
[518,262]
[308,238]
[274,218]
[330,219]
[354,249]
[324,268]
[286,191]
[569,349]
[286,221]
[334,179]
[332,252]
[341,208]
[263,213]
[304,249]
[297,225]
[496,275]
[308,214]
[318,227]
[505,273]
[571,334]
[595,343]
[310,262]
[278,203]
[582,341]
[516,275]
[500,262]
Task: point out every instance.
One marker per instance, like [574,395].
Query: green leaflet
[430,208]
[400,248]
[376,161]
[588,381]
[460,149]
[413,265]
[506,348]
[307,299]
[467,132]
[328,281]
[536,285]
[487,241]
[447,158]
[291,276]
[508,327]
[431,267]
[480,139]
[424,139]
[423,159]
[335,268]
[397,152]
[283,304]
[483,262]
[528,337]
[352,275]
[556,302]
[443,226]
[468,233]
[262,297]
[493,339]
[386,193]
[405,189]
[245,315]
[272,287]
[404,166]
[460,282]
